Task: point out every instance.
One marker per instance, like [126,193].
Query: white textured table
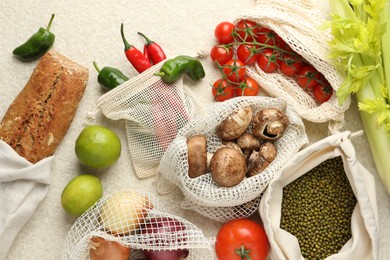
[89,30]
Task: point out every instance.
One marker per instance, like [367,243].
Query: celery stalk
[380,146]
[360,48]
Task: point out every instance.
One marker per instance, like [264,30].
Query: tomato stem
[243,253]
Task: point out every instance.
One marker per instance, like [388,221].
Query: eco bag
[202,194]
[135,221]
[299,23]
[364,221]
[153,112]
[23,186]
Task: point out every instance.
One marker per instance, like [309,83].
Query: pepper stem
[51,20]
[126,43]
[148,41]
[96,66]
[160,74]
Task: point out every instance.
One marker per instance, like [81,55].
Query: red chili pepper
[135,56]
[146,53]
[155,52]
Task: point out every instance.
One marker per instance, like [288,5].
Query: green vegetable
[360,49]
[174,68]
[110,77]
[37,45]
[317,209]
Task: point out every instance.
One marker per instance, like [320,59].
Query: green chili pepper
[37,45]
[110,77]
[172,69]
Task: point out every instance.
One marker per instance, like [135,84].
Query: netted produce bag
[132,224]
[214,196]
[300,25]
[322,205]
[153,112]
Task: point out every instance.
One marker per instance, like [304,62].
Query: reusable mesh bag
[201,193]
[131,217]
[299,23]
[153,112]
[364,221]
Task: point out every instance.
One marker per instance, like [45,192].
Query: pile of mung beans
[317,209]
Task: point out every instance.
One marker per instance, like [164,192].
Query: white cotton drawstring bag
[364,221]
[201,193]
[23,186]
[153,112]
[299,23]
[133,218]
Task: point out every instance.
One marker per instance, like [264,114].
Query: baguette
[40,116]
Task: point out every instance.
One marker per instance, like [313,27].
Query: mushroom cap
[228,167]
[269,124]
[197,155]
[231,144]
[235,124]
[248,141]
[268,151]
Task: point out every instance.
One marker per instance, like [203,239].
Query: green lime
[81,193]
[97,147]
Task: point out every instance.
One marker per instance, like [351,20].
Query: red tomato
[282,44]
[247,30]
[267,60]
[307,77]
[224,32]
[241,239]
[248,87]
[289,65]
[247,53]
[221,54]
[322,93]
[234,70]
[222,90]
[266,36]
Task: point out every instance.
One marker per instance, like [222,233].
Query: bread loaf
[40,116]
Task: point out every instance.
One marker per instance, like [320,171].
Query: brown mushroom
[256,164]
[231,144]
[269,124]
[228,167]
[197,155]
[235,124]
[248,142]
[259,160]
[268,151]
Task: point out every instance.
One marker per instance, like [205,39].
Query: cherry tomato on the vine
[222,90]
[289,65]
[241,239]
[267,36]
[234,70]
[308,76]
[224,32]
[267,60]
[247,53]
[322,93]
[221,54]
[247,30]
[248,87]
[282,44]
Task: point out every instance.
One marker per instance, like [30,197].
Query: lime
[81,193]
[97,147]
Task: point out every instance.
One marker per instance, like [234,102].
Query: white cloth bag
[364,223]
[23,186]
